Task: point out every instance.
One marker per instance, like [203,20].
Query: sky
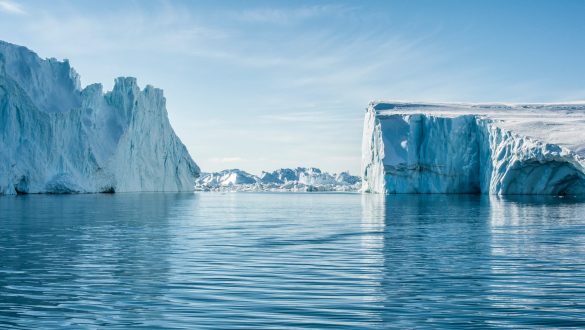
[260,85]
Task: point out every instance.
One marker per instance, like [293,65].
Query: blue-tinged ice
[58,138]
[474,148]
[284,179]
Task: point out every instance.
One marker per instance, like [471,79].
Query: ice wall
[442,148]
[57,138]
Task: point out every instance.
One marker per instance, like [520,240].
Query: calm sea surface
[290,260]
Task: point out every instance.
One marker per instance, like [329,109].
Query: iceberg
[474,148]
[299,179]
[58,138]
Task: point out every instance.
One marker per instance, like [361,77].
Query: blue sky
[266,84]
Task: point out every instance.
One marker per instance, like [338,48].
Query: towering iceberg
[474,148]
[58,138]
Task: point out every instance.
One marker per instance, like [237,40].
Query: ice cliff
[58,138]
[474,148]
[284,179]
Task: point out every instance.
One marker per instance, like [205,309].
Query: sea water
[290,260]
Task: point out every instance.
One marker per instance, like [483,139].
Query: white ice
[58,138]
[285,179]
[474,148]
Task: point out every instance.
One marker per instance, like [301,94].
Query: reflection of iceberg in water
[481,258]
[372,245]
[434,248]
[527,217]
[93,253]
[373,216]
[536,249]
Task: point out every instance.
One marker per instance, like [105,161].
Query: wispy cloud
[288,15]
[170,30]
[307,117]
[11,7]
[227,160]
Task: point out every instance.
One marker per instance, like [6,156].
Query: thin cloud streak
[282,16]
[307,117]
[11,7]
[227,160]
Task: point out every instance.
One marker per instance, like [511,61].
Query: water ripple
[252,261]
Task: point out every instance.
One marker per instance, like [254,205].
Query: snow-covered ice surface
[286,179]
[58,138]
[474,148]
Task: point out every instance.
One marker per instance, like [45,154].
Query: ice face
[463,148]
[57,138]
[52,86]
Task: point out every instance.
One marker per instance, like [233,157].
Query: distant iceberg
[474,148]
[285,179]
[58,138]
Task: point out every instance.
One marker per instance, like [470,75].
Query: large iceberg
[474,148]
[298,179]
[58,138]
